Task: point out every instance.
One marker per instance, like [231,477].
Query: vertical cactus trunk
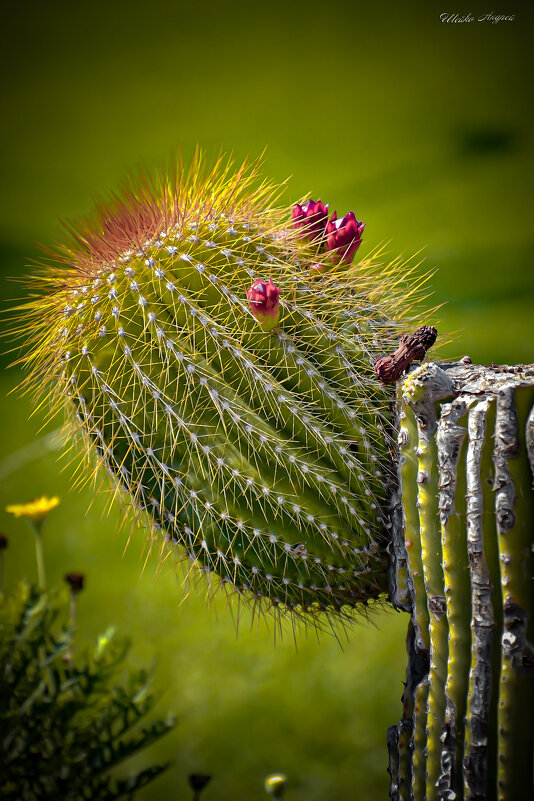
[463,548]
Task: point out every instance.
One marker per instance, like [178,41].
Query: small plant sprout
[36,512]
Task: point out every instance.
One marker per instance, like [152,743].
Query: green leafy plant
[67,723]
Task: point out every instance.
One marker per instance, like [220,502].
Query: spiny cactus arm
[450,437]
[198,378]
[174,397]
[514,509]
[227,384]
[304,416]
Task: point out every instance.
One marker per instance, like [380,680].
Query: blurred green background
[425,130]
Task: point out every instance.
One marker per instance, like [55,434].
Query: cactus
[224,361]
[218,359]
[468,549]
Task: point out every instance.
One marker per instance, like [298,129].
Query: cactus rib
[482,611]
[450,438]
[514,511]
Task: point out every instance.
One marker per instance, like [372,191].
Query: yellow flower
[35,511]
[276,784]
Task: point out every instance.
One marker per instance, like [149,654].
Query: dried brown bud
[75,581]
[412,347]
[3,542]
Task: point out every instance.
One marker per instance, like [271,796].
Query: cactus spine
[264,454]
[470,642]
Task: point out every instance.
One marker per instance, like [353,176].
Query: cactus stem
[450,438]
[515,521]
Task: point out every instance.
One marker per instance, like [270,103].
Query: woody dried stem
[412,347]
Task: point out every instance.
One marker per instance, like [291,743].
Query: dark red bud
[263,302]
[344,237]
[310,219]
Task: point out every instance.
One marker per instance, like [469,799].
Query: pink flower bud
[343,237]
[264,305]
[310,219]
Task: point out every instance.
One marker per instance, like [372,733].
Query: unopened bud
[310,219]
[264,304]
[344,237]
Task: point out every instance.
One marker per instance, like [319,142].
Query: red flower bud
[264,305]
[343,237]
[310,219]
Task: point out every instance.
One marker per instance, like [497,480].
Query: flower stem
[72,614]
[39,555]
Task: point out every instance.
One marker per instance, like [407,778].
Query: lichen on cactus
[226,383]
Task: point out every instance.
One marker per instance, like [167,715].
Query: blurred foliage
[426,131]
[66,724]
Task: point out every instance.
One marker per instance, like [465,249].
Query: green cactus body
[480,683]
[264,454]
